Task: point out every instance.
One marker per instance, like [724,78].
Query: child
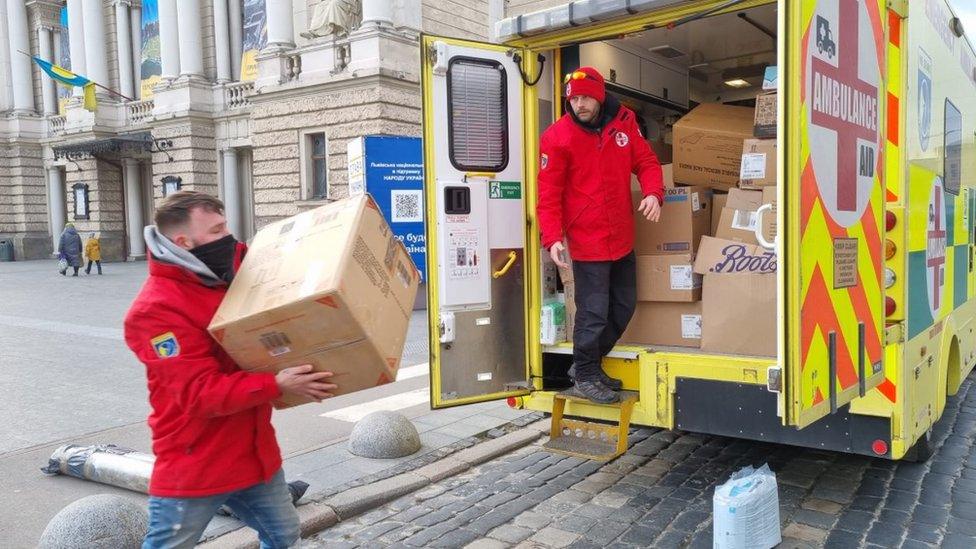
[94,252]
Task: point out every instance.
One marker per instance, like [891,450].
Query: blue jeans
[175,523]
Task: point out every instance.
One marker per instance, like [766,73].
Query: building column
[57,211]
[222,40]
[76,42]
[96,55]
[135,32]
[123,43]
[232,193]
[281,25]
[6,87]
[169,40]
[48,92]
[134,222]
[377,12]
[57,37]
[191,38]
[20,64]
[236,21]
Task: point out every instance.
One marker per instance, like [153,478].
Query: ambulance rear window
[477,114]
[952,166]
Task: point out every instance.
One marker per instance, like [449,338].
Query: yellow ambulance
[876,117]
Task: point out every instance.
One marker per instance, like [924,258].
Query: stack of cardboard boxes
[703,280]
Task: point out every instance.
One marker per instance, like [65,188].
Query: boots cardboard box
[708,145]
[667,278]
[758,164]
[685,218]
[738,219]
[738,298]
[764,126]
[769,219]
[331,287]
[660,323]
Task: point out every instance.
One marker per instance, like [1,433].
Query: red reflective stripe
[893,106]
[894,29]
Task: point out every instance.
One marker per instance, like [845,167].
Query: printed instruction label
[695,203]
[753,166]
[691,326]
[745,220]
[845,263]
[462,254]
[682,278]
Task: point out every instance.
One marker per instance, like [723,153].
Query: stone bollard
[384,435]
[102,521]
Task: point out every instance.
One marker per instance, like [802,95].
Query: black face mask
[218,256]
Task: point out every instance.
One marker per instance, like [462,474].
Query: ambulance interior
[662,74]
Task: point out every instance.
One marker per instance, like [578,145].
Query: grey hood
[164,250]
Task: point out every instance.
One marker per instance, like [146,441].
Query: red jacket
[584,184]
[210,421]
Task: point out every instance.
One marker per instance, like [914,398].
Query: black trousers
[606,296]
[97,262]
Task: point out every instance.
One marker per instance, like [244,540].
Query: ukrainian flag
[69,79]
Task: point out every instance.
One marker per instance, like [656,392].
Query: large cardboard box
[738,219]
[719,200]
[738,298]
[765,120]
[667,278]
[667,174]
[331,287]
[769,219]
[685,218]
[758,164]
[661,323]
[708,145]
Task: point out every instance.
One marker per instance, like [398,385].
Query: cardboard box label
[684,278]
[753,166]
[845,263]
[695,203]
[691,326]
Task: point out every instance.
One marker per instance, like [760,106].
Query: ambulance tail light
[890,220]
[890,249]
[889,277]
[890,306]
[879,447]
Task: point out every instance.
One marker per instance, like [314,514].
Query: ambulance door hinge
[446,328]
[894,333]
[899,6]
[774,379]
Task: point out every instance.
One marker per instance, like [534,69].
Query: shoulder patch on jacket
[544,161]
[165,345]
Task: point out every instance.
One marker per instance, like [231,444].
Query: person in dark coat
[70,248]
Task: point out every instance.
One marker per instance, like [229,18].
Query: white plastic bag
[746,510]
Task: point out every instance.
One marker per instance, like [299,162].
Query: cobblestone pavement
[659,495]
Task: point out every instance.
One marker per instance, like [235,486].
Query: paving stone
[927,514]
[923,532]
[606,531]
[376,530]
[672,539]
[901,500]
[822,506]
[958,525]
[394,536]
[914,544]
[956,541]
[436,517]
[962,497]
[814,518]
[455,538]
[934,497]
[964,511]
[855,521]
[842,539]
[511,533]
[689,521]
[885,534]
[486,543]
[533,520]
[642,536]
[899,518]
[428,535]
[804,532]
[554,537]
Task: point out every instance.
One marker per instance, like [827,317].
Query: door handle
[760,237]
[512,256]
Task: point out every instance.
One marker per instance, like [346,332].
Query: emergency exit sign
[505,190]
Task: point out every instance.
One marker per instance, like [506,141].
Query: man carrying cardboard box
[210,421]
[587,158]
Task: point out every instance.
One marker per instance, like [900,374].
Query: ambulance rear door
[832,134]
[476,220]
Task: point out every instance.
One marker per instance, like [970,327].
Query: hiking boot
[612,383]
[597,392]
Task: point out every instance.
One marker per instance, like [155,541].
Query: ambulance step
[586,439]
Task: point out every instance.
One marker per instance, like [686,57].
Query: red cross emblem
[845,104]
[935,254]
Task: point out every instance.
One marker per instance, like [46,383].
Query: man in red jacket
[587,158]
[210,420]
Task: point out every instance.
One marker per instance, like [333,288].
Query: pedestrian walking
[587,158]
[69,249]
[93,251]
[210,420]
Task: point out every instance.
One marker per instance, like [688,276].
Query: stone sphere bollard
[384,435]
[102,521]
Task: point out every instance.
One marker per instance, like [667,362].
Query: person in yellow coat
[93,250]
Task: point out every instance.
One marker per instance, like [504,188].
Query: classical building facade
[270,144]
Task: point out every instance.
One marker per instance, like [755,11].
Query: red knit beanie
[585,81]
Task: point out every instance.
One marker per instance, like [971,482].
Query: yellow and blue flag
[69,79]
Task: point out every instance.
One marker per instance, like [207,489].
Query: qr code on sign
[407,206]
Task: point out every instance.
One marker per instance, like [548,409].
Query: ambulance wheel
[923,449]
